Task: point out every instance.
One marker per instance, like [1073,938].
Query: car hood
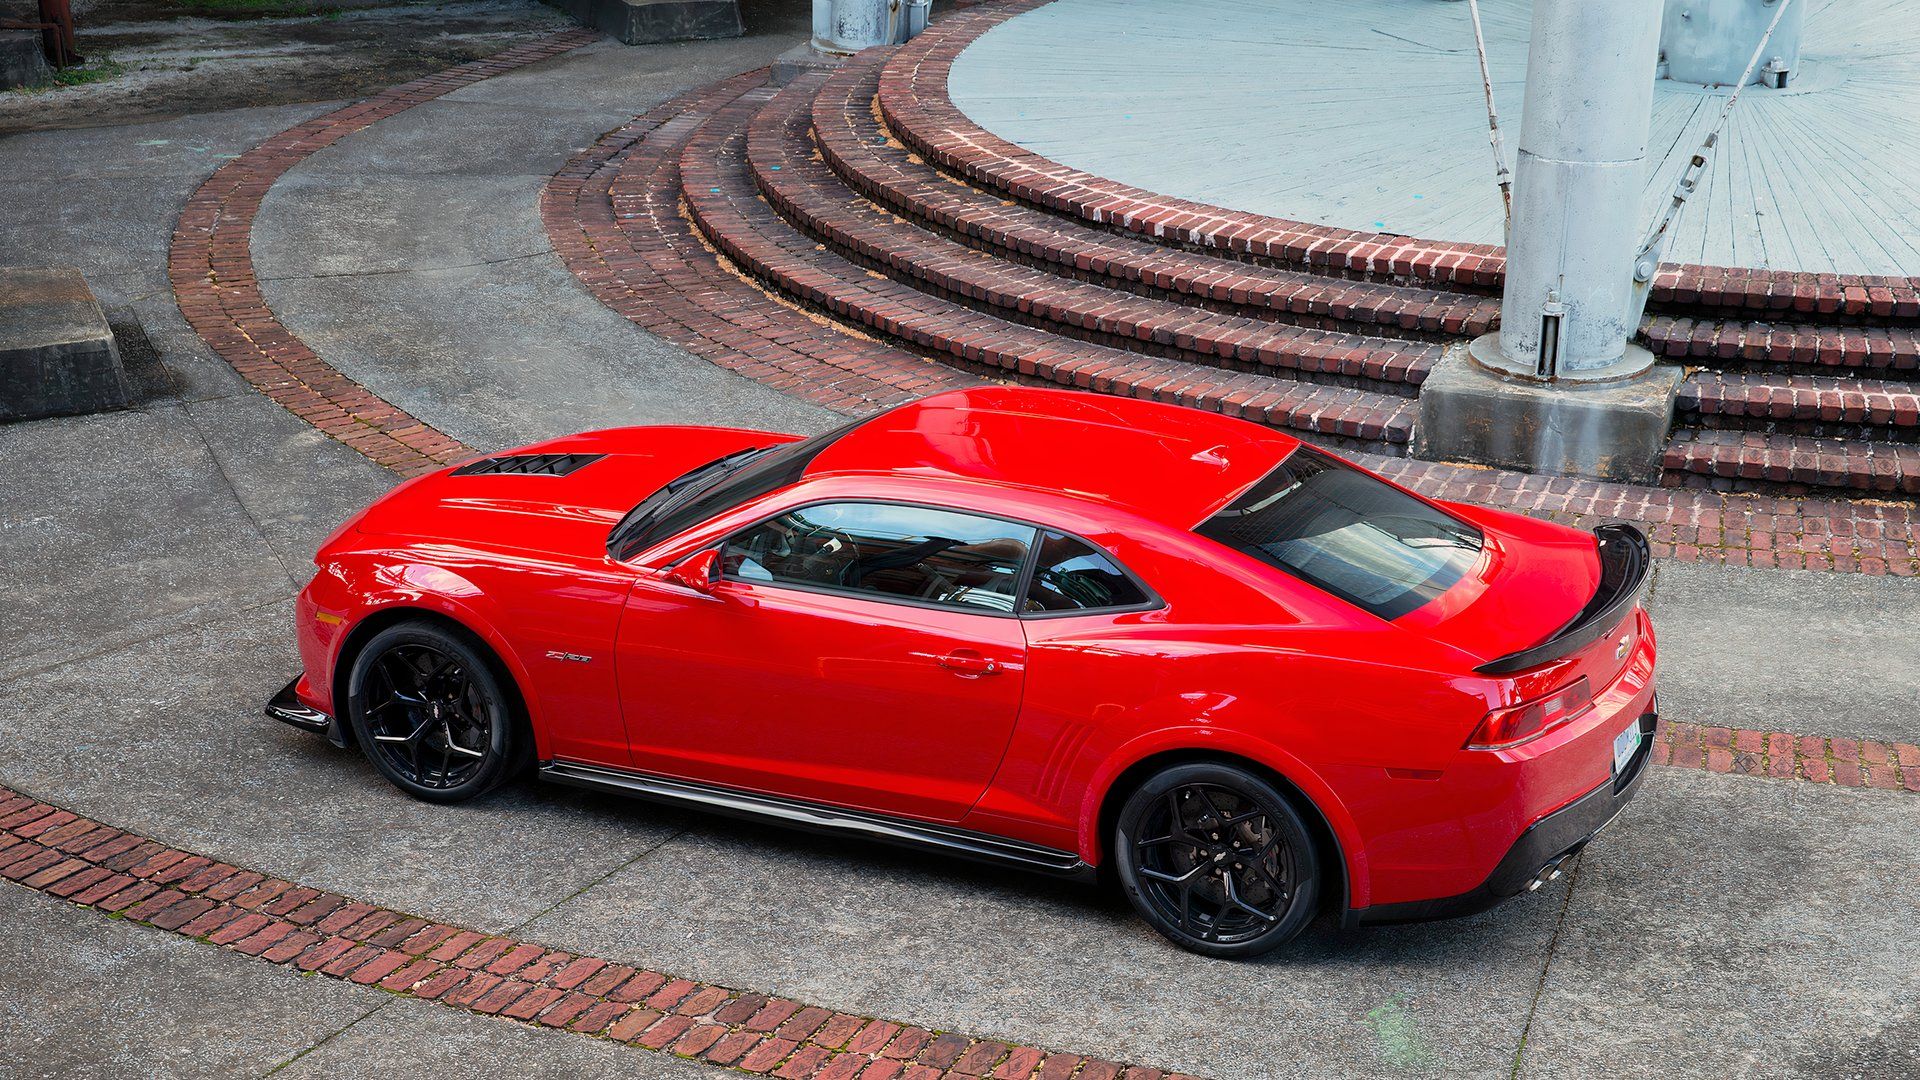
[568,514]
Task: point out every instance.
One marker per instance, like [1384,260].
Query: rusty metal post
[57,36]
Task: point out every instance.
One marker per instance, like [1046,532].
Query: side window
[903,552]
[1072,575]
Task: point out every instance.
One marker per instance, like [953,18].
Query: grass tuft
[99,69]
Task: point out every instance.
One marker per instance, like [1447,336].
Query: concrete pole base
[801,59]
[1615,429]
[1485,351]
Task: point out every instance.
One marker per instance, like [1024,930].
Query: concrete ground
[1725,925]
[159,59]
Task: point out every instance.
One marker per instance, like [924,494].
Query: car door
[859,653]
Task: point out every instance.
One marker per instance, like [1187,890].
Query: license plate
[1624,745]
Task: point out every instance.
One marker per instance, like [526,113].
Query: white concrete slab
[1368,115]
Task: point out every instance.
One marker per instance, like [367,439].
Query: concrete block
[57,354]
[1604,430]
[641,22]
[22,63]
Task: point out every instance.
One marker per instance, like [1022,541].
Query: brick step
[1814,348]
[859,149]
[725,204]
[1753,293]
[613,216]
[915,104]
[1848,408]
[1793,464]
[781,156]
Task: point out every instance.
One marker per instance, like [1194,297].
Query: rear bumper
[287,707]
[1538,852]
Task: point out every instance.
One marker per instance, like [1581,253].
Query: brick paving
[614,216]
[868,159]
[812,196]
[87,863]
[211,268]
[726,204]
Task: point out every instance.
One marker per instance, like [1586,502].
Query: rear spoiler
[1625,561]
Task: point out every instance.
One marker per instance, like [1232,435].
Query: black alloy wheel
[430,713]
[1217,859]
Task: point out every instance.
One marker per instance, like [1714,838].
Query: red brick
[908,1044]
[281,949]
[765,1056]
[732,1047]
[415,970]
[577,972]
[836,1031]
[698,1038]
[475,986]
[533,1003]
[772,1014]
[598,1016]
[633,1022]
[872,1038]
[609,978]
[805,1062]
[1020,1064]
[515,958]
[664,1031]
[641,986]
[381,966]
[570,1006]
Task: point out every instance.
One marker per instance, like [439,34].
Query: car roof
[1166,463]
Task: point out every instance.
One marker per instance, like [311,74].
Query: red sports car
[1053,630]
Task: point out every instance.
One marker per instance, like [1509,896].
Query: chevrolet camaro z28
[1241,677]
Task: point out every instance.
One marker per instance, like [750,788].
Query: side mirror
[697,573]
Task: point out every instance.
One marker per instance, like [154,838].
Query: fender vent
[528,465]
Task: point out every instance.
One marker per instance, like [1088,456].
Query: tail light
[1529,720]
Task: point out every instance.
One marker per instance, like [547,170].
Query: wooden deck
[1368,114]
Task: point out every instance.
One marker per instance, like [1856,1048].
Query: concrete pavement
[1726,926]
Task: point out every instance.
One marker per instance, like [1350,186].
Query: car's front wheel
[1218,859]
[430,713]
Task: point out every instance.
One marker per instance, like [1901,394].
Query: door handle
[969,663]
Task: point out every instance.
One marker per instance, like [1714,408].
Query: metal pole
[1501,174]
[1577,190]
[1646,262]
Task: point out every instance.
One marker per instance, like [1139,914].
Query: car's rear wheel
[430,712]
[1218,859]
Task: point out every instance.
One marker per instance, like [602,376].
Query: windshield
[1337,528]
[717,486]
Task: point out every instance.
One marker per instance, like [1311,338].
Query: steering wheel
[825,547]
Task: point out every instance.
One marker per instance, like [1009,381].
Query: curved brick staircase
[866,199]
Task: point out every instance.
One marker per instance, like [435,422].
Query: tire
[449,734]
[1194,881]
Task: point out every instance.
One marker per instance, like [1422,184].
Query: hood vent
[528,465]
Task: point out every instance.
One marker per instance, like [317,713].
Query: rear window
[1343,531]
